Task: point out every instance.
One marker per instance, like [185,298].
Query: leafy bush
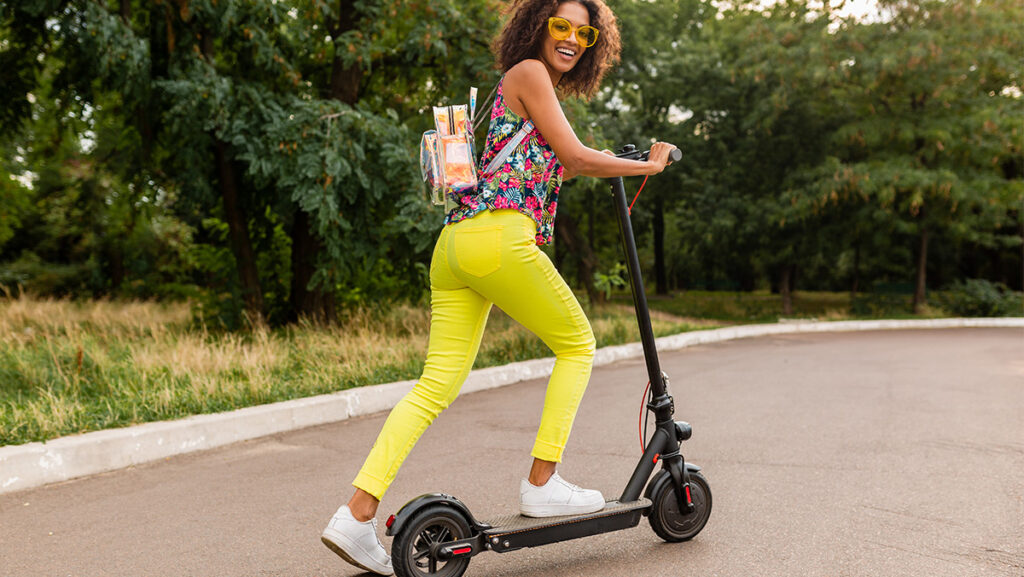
[33,275]
[614,279]
[981,298]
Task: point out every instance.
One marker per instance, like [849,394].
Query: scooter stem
[643,317]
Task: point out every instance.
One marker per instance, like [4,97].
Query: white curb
[35,464]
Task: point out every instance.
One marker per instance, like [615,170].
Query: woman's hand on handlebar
[658,158]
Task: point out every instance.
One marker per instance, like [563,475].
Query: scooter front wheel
[414,550]
[668,522]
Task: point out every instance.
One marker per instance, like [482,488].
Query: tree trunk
[709,269]
[238,228]
[238,225]
[559,249]
[1020,227]
[142,123]
[856,271]
[306,246]
[786,288]
[317,305]
[660,279]
[568,233]
[344,80]
[310,303]
[115,262]
[590,219]
[922,263]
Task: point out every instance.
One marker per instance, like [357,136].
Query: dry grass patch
[69,367]
[194,354]
[26,319]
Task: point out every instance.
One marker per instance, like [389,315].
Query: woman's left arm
[530,83]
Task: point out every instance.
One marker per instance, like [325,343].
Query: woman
[487,254]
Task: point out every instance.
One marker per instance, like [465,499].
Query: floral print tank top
[528,181]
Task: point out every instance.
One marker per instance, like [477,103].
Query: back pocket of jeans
[478,250]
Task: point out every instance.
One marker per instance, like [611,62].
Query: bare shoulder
[529,67]
[523,83]
[529,75]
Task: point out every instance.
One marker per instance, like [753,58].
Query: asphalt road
[881,453]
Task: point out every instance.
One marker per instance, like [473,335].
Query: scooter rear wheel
[414,550]
[666,519]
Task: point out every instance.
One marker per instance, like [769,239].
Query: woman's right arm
[529,83]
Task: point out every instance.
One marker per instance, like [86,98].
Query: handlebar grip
[630,151]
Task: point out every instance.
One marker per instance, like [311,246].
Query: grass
[70,367]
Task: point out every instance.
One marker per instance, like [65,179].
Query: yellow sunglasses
[561,29]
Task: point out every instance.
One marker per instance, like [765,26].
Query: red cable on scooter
[640,418]
[634,202]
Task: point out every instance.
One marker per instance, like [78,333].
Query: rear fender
[410,509]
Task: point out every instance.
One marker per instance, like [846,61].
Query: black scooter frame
[663,446]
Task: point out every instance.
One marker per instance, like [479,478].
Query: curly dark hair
[525,31]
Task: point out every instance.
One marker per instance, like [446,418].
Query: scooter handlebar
[629,151]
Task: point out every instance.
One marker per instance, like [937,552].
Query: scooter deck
[511,532]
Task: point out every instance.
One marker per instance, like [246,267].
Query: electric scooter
[435,534]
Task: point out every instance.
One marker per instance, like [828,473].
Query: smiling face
[561,55]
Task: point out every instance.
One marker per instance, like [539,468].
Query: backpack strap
[506,150]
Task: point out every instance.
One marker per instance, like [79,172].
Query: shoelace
[570,485]
[375,536]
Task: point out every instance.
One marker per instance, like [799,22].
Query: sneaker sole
[329,537]
[542,511]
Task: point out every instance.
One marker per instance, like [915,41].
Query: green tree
[645,99]
[757,83]
[269,116]
[932,141]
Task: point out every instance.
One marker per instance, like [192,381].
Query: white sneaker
[557,497]
[357,542]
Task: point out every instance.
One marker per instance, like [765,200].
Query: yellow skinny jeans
[490,258]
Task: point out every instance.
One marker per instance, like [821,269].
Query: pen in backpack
[472,102]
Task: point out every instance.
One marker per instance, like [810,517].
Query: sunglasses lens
[587,36]
[559,28]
